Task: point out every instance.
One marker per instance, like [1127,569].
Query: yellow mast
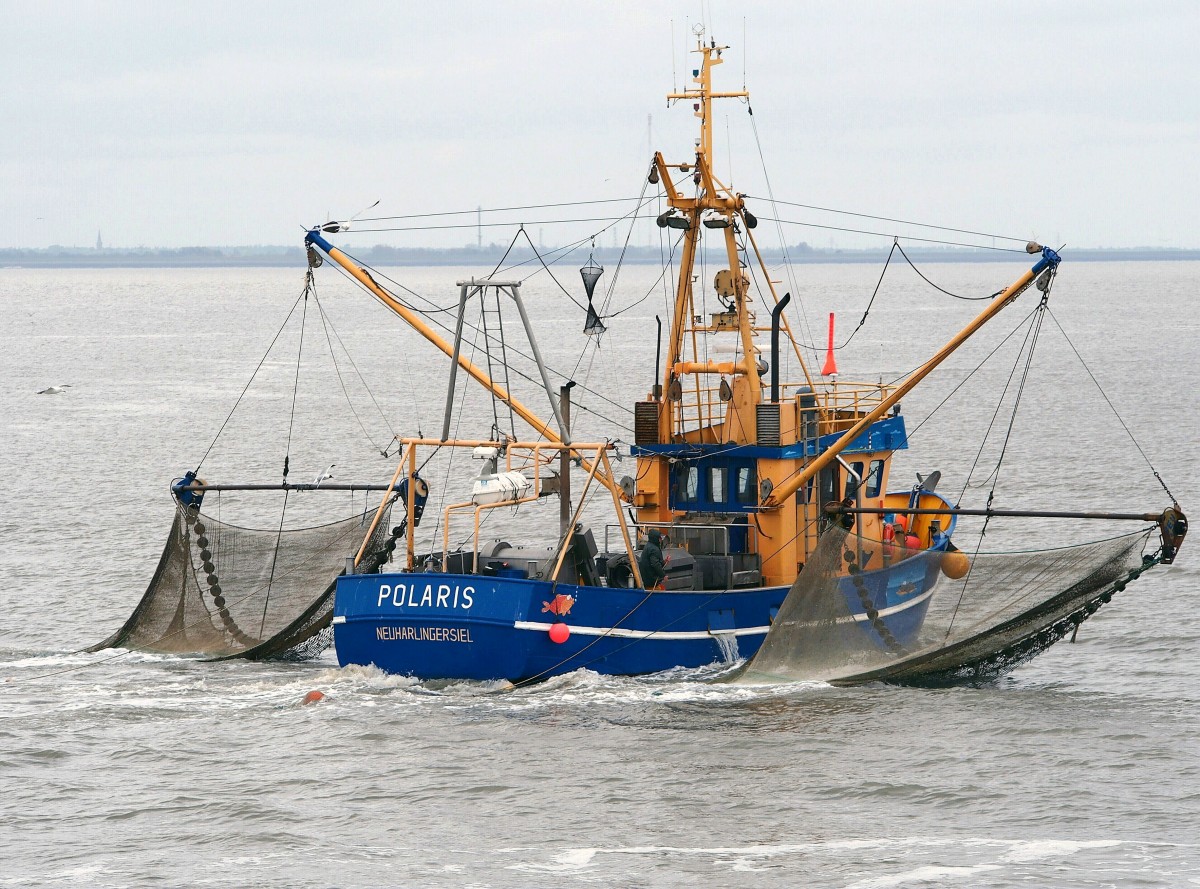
[715,197]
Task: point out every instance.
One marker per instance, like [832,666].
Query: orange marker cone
[830,367]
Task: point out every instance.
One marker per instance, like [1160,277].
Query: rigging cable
[871,302]
[944,228]
[296,381]
[787,260]
[376,273]
[309,286]
[1104,395]
[896,246]
[471,326]
[653,286]
[533,247]
[495,210]
[424,228]
[859,231]
[1031,339]
[327,325]
[975,370]
[261,362]
[612,284]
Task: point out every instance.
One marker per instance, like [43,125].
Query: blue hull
[450,626]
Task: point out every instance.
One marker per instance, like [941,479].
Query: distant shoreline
[291,257]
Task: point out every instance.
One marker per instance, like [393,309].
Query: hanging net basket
[1002,610]
[226,592]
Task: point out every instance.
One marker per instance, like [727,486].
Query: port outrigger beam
[540,426]
[786,488]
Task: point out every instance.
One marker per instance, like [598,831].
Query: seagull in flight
[324,476]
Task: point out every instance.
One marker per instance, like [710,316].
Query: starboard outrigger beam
[1172,523]
[786,488]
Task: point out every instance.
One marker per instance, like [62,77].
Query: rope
[893,235]
[975,370]
[1107,401]
[467,324]
[487,354]
[871,302]
[296,380]
[326,325]
[787,260]
[945,228]
[425,228]
[261,361]
[512,422]
[534,248]
[494,210]
[896,245]
[274,560]
[612,284]
[1029,341]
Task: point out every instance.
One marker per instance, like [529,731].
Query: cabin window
[688,486]
[746,485]
[718,491]
[874,480]
[851,478]
[830,484]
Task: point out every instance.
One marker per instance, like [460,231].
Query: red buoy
[313,696]
[559,632]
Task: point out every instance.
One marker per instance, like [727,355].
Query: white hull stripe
[667,635]
[622,633]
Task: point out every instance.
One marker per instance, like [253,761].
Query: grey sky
[171,124]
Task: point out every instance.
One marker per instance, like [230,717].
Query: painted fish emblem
[560,605]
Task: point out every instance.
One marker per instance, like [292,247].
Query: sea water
[129,769]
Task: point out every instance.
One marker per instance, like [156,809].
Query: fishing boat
[738,472]
[761,508]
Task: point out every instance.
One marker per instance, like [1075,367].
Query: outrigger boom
[789,486]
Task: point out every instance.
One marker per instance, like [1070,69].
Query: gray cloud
[174,124]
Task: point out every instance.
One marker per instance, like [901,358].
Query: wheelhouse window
[830,484]
[853,478]
[874,480]
[687,484]
[746,485]
[718,490]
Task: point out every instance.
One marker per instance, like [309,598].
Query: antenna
[650,152]
[745,51]
[674,79]
[363,210]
